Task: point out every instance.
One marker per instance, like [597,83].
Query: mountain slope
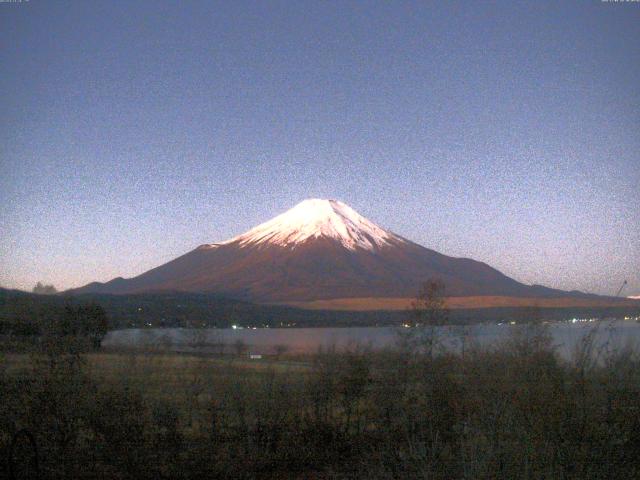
[320,249]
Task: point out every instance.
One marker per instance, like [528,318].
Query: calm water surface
[614,334]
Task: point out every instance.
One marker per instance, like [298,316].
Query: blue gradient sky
[134,131]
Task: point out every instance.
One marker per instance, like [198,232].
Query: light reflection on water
[565,336]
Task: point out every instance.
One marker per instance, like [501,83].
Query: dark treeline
[25,323]
[20,311]
[513,411]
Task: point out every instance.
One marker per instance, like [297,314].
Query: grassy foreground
[516,411]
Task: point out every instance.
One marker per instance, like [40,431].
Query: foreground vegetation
[515,411]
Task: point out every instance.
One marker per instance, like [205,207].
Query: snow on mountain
[319,250]
[634,297]
[316,218]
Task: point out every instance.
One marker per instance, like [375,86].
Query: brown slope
[318,269]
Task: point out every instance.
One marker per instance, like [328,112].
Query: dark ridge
[177,309]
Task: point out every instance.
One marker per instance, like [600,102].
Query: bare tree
[430,306]
[427,315]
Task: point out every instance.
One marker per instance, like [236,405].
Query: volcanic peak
[315,218]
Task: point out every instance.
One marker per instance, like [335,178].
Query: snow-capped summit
[319,249]
[315,218]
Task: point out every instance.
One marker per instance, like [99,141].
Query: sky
[134,131]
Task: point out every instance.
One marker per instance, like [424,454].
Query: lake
[565,336]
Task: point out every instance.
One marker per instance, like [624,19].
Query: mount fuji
[317,251]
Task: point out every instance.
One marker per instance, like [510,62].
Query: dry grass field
[365,304]
[516,410]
